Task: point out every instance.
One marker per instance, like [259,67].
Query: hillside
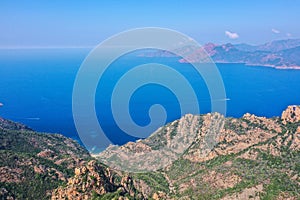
[196,157]
[252,158]
[33,164]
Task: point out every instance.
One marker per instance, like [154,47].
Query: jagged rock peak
[291,114]
[93,181]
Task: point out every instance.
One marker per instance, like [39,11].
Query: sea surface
[36,89]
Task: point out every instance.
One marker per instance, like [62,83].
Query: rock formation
[291,114]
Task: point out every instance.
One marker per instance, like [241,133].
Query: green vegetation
[155,180]
[37,163]
[111,196]
[280,183]
[28,174]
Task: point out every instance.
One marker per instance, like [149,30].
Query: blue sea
[36,89]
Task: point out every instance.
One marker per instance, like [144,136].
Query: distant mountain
[283,59]
[280,54]
[274,46]
[246,47]
[291,56]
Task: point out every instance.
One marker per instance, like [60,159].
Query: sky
[75,23]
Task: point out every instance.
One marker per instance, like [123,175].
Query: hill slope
[33,164]
[215,158]
[252,158]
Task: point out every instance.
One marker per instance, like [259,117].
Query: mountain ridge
[278,54]
[247,158]
[253,158]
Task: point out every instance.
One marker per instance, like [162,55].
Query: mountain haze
[279,54]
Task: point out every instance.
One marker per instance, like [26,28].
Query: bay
[36,89]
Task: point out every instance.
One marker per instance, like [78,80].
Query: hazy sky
[86,23]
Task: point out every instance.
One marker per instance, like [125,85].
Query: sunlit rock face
[291,114]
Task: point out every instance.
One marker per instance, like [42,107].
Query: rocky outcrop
[232,136]
[156,152]
[291,114]
[93,180]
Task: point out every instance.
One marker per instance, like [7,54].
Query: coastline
[283,67]
[294,67]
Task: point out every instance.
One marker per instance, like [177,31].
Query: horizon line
[93,46]
[47,47]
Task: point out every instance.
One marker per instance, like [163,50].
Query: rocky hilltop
[291,115]
[97,181]
[202,157]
